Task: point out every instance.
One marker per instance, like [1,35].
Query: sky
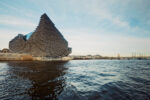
[104,27]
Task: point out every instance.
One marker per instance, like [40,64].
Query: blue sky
[105,27]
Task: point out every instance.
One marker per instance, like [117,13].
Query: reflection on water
[76,80]
[46,78]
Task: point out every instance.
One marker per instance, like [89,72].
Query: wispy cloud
[15,21]
[105,44]
[91,26]
[7,35]
[101,10]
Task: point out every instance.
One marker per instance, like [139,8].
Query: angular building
[45,41]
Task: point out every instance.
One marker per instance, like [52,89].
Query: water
[76,80]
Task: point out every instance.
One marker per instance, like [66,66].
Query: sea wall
[27,57]
[52,59]
[14,56]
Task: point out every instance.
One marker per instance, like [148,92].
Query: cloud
[7,35]
[118,13]
[99,9]
[102,10]
[108,30]
[15,21]
[148,22]
[121,23]
[86,41]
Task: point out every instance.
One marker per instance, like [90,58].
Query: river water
[75,80]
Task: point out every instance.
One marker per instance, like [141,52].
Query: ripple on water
[76,80]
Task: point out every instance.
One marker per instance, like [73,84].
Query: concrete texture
[45,41]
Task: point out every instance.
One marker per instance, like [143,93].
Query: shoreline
[27,57]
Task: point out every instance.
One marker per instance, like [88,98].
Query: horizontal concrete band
[27,57]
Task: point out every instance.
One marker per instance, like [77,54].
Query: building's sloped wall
[46,41]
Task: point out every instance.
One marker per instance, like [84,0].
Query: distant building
[118,55]
[5,50]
